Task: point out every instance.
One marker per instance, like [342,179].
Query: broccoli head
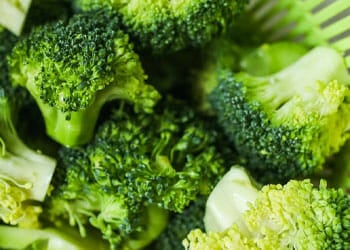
[72,68]
[296,215]
[286,124]
[168,26]
[137,169]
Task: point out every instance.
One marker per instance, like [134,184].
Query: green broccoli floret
[180,224]
[168,26]
[48,238]
[286,124]
[72,68]
[137,169]
[226,53]
[297,215]
[337,170]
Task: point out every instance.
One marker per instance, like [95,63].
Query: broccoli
[286,125]
[225,53]
[180,224]
[168,26]
[72,68]
[296,215]
[25,174]
[137,169]
[48,238]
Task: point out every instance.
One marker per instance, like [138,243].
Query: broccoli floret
[226,53]
[297,215]
[72,68]
[180,224]
[137,168]
[168,26]
[48,238]
[286,124]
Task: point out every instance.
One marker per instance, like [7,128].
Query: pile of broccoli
[168,125]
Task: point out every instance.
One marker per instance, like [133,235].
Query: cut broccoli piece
[13,14]
[168,26]
[73,68]
[49,238]
[225,53]
[137,168]
[287,124]
[25,174]
[297,215]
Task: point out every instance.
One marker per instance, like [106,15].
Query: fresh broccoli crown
[166,26]
[67,63]
[136,161]
[285,125]
[73,67]
[180,224]
[312,217]
[297,215]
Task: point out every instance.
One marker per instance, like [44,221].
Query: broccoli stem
[320,65]
[20,164]
[47,238]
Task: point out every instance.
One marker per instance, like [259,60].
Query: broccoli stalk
[48,238]
[297,215]
[73,67]
[287,124]
[13,14]
[25,174]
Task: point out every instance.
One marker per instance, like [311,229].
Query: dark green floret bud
[168,26]
[72,68]
[287,124]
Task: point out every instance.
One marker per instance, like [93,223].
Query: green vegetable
[73,68]
[180,224]
[225,53]
[287,124]
[297,215]
[25,174]
[168,26]
[47,238]
[137,169]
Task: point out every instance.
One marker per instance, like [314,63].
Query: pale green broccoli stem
[270,58]
[302,79]
[49,238]
[158,221]
[229,200]
[13,14]
[21,165]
